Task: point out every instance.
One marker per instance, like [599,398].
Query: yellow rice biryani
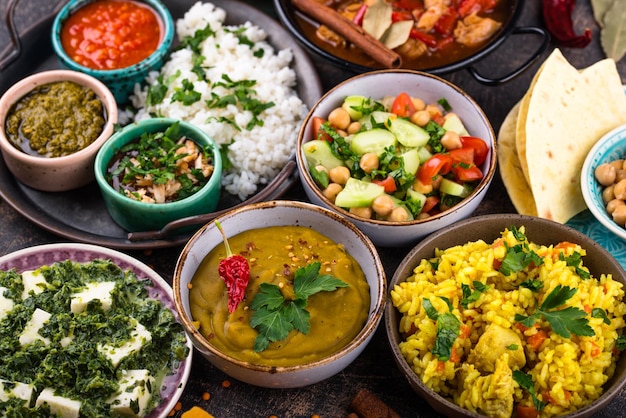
[511,328]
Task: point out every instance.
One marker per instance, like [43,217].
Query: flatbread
[511,167]
[567,112]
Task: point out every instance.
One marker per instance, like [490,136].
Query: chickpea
[353,128]
[613,204]
[617,163]
[619,215]
[362,212]
[620,190]
[451,140]
[369,162]
[418,103]
[383,205]
[331,191]
[434,110]
[620,175]
[339,174]
[605,174]
[421,118]
[339,118]
[607,193]
[418,186]
[423,215]
[399,214]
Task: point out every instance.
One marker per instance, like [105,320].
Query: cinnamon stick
[351,31]
[368,405]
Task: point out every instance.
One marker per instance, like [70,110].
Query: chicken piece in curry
[443,31]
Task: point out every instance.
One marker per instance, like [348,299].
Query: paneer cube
[33,281]
[31,331]
[96,290]
[116,353]
[133,396]
[59,405]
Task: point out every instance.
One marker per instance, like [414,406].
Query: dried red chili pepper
[558,17]
[234,270]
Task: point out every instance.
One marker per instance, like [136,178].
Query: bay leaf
[397,34]
[377,18]
[613,32]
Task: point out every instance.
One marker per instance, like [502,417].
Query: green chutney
[55,119]
[274,255]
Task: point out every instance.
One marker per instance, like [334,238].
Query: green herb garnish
[448,329]
[276,316]
[564,322]
[526,383]
[470,296]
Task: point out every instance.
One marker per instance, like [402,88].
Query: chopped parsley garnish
[532,285]
[564,322]
[185,93]
[470,296]
[600,313]
[241,95]
[435,131]
[444,103]
[621,342]
[276,316]
[526,383]
[448,329]
[575,261]
[519,256]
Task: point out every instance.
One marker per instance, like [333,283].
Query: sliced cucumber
[353,105]
[411,161]
[318,152]
[415,200]
[374,140]
[424,154]
[407,133]
[377,117]
[358,194]
[454,123]
[452,188]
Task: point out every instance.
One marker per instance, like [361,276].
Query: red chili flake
[558,17]
[235,272]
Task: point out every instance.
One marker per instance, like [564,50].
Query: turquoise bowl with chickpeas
[400,153]
[603,181]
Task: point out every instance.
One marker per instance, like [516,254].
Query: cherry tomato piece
[403,106]
[481,149]
[466,174]
[430,204]
[437,164]
[319,134]
[388,183]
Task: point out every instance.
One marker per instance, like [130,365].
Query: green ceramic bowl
[136,216]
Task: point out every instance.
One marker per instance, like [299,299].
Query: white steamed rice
[257,154]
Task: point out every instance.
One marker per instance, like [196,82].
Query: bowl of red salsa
[116,41]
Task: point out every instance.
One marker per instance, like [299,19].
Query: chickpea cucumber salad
[394,159]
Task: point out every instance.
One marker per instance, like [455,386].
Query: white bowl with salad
[400,153]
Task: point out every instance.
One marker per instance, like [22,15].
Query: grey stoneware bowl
[430,88]
[488,228]
[281,213]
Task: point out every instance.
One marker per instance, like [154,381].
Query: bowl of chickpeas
[400,153]
[603,181]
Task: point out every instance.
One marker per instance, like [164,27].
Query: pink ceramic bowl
[55,174]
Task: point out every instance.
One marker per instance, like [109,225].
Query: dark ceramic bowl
[303,29]
[121,81]
[488,228]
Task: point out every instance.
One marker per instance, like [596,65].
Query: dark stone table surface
[374,369]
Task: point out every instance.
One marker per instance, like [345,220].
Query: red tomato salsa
[111,34]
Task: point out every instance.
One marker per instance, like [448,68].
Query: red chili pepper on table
[234,270]
[558,18]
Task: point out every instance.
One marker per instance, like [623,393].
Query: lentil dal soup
[275,254]
[511,328]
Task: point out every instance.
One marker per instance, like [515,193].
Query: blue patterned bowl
[119,81]
[612,146]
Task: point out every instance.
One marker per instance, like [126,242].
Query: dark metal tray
[80,215]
